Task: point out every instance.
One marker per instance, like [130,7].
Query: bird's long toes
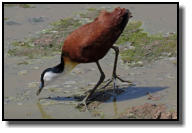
[125,81]
[130,83]
[82,105]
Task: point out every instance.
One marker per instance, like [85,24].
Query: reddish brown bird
[90,43]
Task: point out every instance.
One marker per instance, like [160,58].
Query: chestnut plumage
[90,43]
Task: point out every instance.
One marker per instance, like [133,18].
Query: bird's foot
[122,80]
[82,104]
[115,87]
[107,83]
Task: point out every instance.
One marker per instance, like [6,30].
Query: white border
[187,46]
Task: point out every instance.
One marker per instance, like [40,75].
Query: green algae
[147,47]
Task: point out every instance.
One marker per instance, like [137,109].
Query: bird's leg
[114,75]
[116,49]
[102,77]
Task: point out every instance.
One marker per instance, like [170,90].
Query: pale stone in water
[23,72]
[140,62]
[36,68]
[131,47]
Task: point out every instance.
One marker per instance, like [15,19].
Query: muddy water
[21,81]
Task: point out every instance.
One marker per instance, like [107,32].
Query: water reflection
[115,107]
[44,114]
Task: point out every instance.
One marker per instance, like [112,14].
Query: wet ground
[156,83]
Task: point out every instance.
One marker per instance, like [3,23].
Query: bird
[89,44]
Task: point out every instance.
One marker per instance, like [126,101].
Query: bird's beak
[40,88]
[130,15]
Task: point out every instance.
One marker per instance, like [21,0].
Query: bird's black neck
[59,68]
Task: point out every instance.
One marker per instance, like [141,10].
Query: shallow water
[21,81]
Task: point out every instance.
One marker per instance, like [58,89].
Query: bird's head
[49,74]
[46,76]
